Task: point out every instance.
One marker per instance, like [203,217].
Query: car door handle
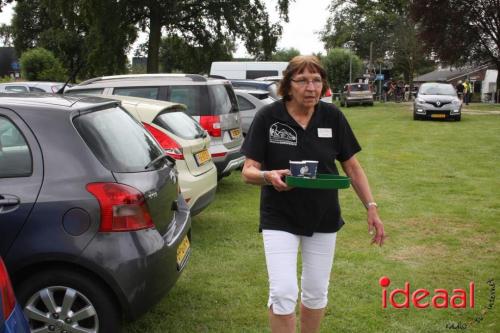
[8,200]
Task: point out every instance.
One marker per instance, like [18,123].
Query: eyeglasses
[317,82]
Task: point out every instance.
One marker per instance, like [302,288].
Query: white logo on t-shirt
[282,134]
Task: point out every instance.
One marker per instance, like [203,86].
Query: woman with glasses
[301,127]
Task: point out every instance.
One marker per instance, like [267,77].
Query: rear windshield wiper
[170,161]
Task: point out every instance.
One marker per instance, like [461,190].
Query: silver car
[249,102]
[437,101]
[211,102]
[31,86]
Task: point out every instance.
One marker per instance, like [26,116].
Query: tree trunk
[497,91]
[154,39]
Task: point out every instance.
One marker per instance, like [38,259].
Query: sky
[306,19]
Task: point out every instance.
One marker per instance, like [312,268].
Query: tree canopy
[377,29]
[469,32]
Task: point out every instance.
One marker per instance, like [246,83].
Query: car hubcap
[61,310]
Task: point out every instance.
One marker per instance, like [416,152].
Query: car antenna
[71,77]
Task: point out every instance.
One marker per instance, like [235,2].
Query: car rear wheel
[67,301]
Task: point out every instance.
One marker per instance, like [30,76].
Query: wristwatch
[371,203]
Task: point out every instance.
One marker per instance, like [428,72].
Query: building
[483,79]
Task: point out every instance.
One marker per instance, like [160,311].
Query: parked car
[356,94]
[31,86]
[12,319]
[184,140]
[249,102]
[93,227]
[437,101]
[211,102]
[270,86]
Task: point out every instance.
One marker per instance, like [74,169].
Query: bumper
[352,101]
[435,113]
[141,266]
[197,189]
[203,201]
[233,161]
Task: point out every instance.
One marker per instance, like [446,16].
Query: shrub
[40,64]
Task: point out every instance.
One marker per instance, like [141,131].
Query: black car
[92,226]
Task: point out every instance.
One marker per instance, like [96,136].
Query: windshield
[359,87]
[117,140]
[437,89]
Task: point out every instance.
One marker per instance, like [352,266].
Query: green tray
[322,181]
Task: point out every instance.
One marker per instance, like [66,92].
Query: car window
[359,87]
[180,124]
[117,140]
[35,89]
[16,89]
[194,97]
[244,103]
[143,92]
[97,91]
[15,155]
[437,89]
[222,99]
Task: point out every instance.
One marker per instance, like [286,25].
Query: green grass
[482,107]
[438,189]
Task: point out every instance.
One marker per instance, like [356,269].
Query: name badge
[324,132]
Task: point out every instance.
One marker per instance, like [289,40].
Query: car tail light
[212,125]
[7,296]
[171,147]
[328,92]
[218,154]
[123,208]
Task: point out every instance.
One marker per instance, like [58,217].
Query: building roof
[449,74]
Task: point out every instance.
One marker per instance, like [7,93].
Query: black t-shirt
[275,138]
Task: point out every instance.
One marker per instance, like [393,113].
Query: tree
[199,22]
[176,55]
[376,30]
[40,65]
[94,33]
[285,54]
[468,33]
[338,64]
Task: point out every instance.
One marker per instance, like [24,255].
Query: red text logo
[422,298]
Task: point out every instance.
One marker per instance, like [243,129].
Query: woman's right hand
[277,177]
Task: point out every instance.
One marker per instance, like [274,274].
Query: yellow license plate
[235,133]
[202,157]
[438,115]
[182,250]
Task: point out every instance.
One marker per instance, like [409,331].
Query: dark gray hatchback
[92,225]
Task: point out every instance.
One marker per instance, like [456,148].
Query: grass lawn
[438,189]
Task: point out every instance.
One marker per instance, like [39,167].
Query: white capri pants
[281,249]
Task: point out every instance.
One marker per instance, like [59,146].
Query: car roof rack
[193,77]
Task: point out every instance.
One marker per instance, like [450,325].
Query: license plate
[438,115]
[182,251]
[202,157]
[235,133]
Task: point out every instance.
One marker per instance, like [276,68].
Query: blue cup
[298,168]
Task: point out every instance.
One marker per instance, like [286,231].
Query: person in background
[460,89]
[302,127]
[467,91]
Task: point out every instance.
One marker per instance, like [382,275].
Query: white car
[183,139]
[249,102]
[31,86]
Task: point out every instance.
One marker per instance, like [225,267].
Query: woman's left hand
[376,225]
